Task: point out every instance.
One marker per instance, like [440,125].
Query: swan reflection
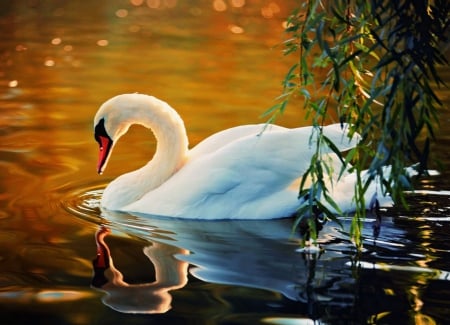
[170,273]
[254,254]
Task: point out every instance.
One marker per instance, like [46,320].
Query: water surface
[216,62]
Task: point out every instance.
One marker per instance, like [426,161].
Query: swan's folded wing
[225,137]
[245,175]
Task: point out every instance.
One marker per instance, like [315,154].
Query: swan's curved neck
[169,131]
[171,149]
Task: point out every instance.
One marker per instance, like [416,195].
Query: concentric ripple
[84,202]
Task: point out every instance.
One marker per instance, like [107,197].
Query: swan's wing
[225,137]
[248,175]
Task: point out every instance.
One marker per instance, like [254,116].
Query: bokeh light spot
[102,42]
[122,13]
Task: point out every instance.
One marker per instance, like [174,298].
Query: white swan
[238,173]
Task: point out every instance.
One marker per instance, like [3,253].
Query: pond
[216,62]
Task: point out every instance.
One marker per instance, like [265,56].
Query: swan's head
[116,115]
[110,123]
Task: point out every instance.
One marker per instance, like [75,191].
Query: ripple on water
[11,238]
[41,258]
[84,202]
[33,295]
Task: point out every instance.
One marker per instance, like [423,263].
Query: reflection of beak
[145,298]
[101,262]
[105,144]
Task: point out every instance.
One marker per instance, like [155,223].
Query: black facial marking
[100,131]
[105,144]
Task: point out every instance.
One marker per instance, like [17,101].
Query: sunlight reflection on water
[44,296]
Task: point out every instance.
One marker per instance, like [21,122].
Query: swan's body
[246,172]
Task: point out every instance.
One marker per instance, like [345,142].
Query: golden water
[217,63]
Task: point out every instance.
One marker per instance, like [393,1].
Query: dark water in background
[217,66]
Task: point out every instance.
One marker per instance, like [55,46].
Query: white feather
[246,172]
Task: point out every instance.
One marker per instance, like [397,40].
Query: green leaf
[366,63]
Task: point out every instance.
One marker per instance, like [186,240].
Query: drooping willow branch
[371,64]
